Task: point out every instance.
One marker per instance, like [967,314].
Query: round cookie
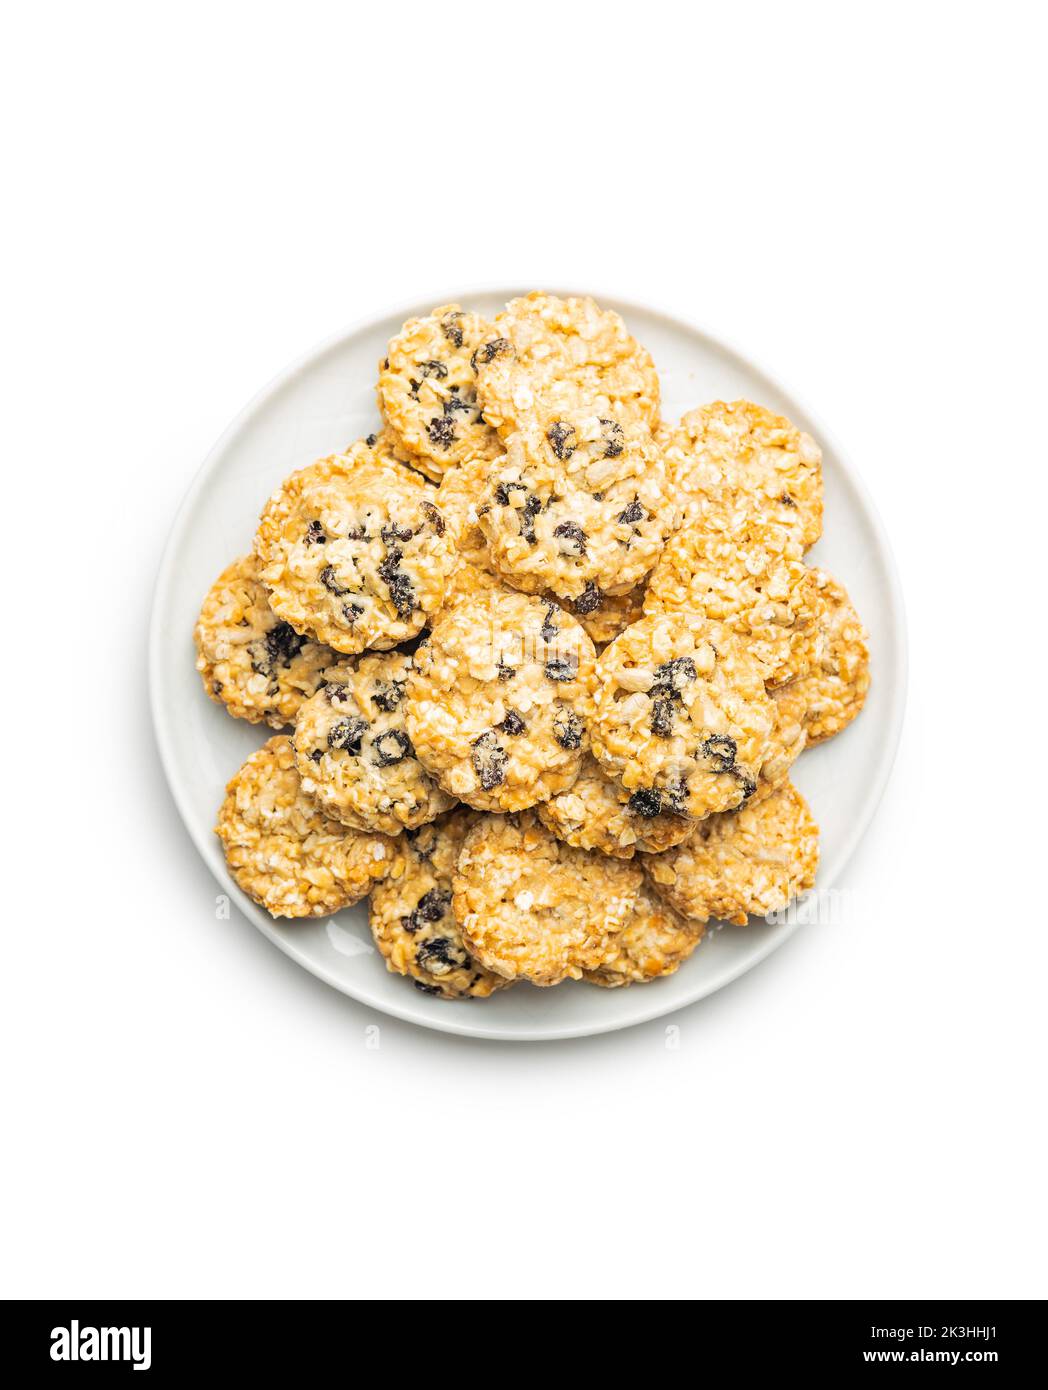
[284,852]
[499,698]
[834,690]
[260,668]
[427,390]
[747,574]
[596,813]
[533,908]
[682,714]
[412,920]
[748,863]
[579,505]
[656,941]
[723,458]
[563,354]
[353,753]
[354,551]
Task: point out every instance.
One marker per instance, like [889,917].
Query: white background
[194,194]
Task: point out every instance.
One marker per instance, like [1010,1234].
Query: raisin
[351,612]
[503,490]
[567,729]
[513,724]
[634,512]
[677,796]
[549,629]
[787,500]
[439,955]
[283,643]
[336,693]
[489,760]
[646,802]
[721,750]
[392,532]
[673,676]
[372,439]
[589,600]
[561,439]
[315,534]
[504,672]
[487,352]
[573,536]
[450,328]
[392,747]
[441,430]
[401,589]
[331,584]
[662,716]
[435,518]
[387,695]
[347,733]
[562,668]
[611,433]
[749,786]
[432,368]
[423,988]
[429,908]
[316,755]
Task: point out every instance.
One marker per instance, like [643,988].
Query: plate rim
[459,1026]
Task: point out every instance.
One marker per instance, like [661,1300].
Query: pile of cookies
[547,662]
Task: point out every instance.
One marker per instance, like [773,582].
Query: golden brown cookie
[499,698]
[533,908]
[724,458]
[283,851]
[834,690]
[355,551]
[745,863]
[682,715]
[257,666]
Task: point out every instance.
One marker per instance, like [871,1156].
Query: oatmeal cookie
[257,666]
[499,698]
[655,941]
[283,851]
[580,505]
[745,863]
[353,753]
[427,390]
[596,813]
[747,574]
[682,714]
[835,688]
[533,908]
[354,551]
[412,920]
[725,457]
[565,354]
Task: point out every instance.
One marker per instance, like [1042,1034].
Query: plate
[317,407]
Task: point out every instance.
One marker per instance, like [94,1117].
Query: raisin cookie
[748,863]
[655,941]
[747,574]
[412,920]
[257,666]
[354,551]
[834,691]
[596,813]
[682,714]
[353,752]
[283,851]
[499,698]
[531,907]
[427,390]
[564,354]
[723,458]
[580,505]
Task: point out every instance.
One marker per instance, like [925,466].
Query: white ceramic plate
[317,407]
